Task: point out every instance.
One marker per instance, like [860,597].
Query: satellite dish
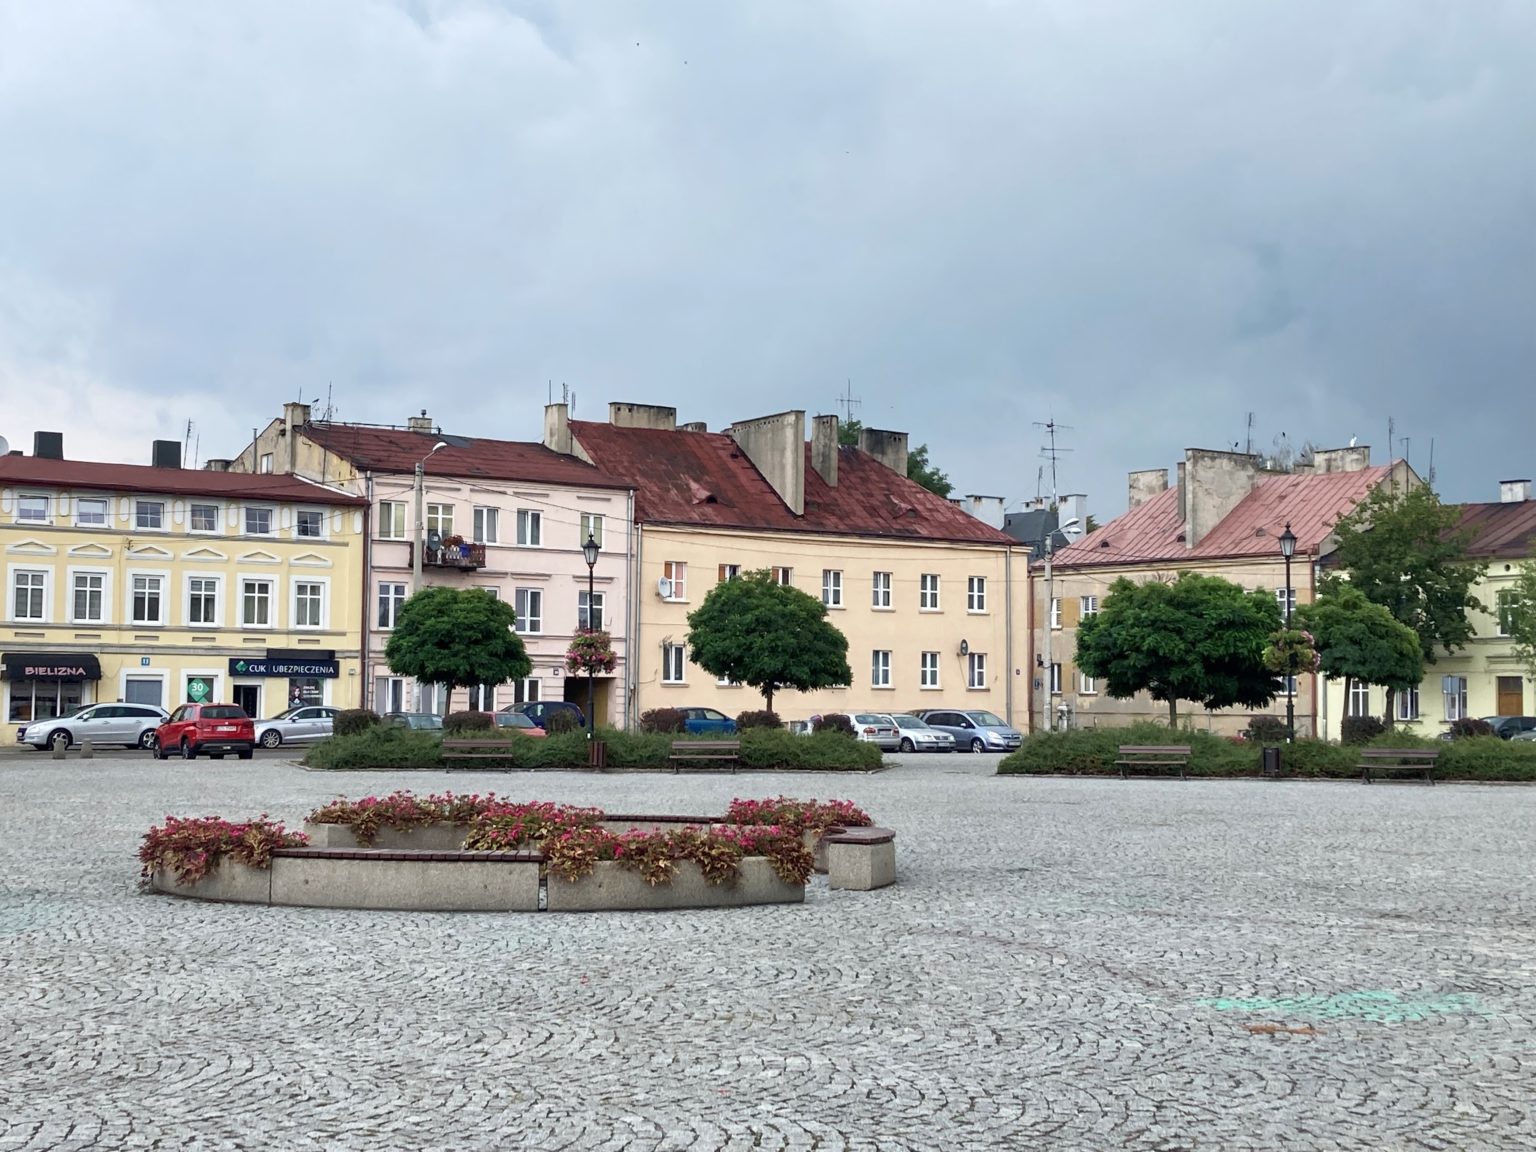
[434,540]
[664,588]
[5,445]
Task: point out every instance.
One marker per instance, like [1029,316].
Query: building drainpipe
[364,695]
[1010,670]
[632,642]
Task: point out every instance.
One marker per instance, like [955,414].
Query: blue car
[707,722]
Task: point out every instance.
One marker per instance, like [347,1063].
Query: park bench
[860,859]
[469,749]
[1155,756]
[715,751]
[1384,760]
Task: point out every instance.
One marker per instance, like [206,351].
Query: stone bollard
[58,750]
[87,751]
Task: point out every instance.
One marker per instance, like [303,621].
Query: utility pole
[1050,453]
[419,538]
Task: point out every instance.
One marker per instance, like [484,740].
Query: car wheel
[188,749]
[271,738]
[147,738]
[907,745]
[977,747]
[246,755]
[154,746]
[58,738]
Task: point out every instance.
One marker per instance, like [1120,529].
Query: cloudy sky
[1142,220]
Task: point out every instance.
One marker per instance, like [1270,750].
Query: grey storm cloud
[1143,221]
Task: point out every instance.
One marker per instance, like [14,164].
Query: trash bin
[1269,761]
[597,754]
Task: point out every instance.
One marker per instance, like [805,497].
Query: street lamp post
[589,552]
[418,538]
[1288,549]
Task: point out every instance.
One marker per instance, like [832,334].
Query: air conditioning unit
[664,588]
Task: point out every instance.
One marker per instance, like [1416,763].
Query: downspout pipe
[364,692]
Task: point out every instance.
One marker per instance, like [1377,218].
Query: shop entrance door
[248,699]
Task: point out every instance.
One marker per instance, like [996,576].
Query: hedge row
[396,748]
[1093,751]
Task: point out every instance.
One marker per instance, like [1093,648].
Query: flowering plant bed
[191,848]
[591,651]
[402,810]
[798,815]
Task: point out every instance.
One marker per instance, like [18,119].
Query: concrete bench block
[229,881]
[612,887]
[861,859]
[406,885]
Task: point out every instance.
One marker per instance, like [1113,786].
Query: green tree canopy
[757,631]
[1359,640]
[457,637]
[919,469]
[1199,638]
[1517,614]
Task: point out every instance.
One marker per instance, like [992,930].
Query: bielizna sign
[260,666]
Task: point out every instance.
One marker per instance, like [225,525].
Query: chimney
[1351,459]
[1213,483]
[1514,491]
[422,423]
[987,509]
[1146,484]
[166,454]
[295,415]
[890,448]
[217,464]
[694,426]
[1073,506]
[557,428]
[1183,494]
[652,416]
[776,447]
[48,445]
[824,448]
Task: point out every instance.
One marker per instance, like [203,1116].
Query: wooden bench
[1418,760]
[717,751]
[475,750]
[860,859]
[1153,756]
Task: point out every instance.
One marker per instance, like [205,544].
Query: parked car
[417,721]
[216,729]
[1508,727]
[874,728]
[302,725]
[539,711]
[975,729]
[517,722]
[1525,737]
[917,735]
[131,725]
[707,722]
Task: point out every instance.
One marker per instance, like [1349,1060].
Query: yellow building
[162,585]
[923,591]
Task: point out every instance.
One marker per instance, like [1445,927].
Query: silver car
[875,728]
[920,736]
[131,725]
[302,725]
[974,729]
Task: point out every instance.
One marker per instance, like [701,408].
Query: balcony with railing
[463,556]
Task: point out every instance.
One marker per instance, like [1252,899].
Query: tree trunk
[1349,694]
[447,701]
[1173,712]
[768,696]
[1389,719]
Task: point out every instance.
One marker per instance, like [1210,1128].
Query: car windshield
[513,720]
[288,713]
[904,721]
[870,718]
[987,719]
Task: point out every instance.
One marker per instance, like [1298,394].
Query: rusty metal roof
[1505,531]
[397,450]
[71,474]
[1154,531]
[705,478]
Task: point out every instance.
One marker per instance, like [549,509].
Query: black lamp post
[589,552]
[1288,549]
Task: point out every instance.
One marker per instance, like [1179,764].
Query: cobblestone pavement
[1063,964]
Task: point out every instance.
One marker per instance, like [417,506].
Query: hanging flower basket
[591,651]
[1291,651]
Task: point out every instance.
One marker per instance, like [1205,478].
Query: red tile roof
[1153,532]
[72,474]
[1506,531]
[468,457]
[704,478]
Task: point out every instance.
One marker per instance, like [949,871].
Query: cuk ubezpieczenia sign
[261,666]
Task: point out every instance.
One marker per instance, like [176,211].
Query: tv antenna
[1051,452]
[1250,434]
[848,402]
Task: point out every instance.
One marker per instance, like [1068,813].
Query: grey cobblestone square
[1074,964]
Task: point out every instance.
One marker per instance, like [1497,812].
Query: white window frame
[480,697]
[245,520]
[247,579]
[976,672]
[392,513]
[1087,606]
[325,603]
[130,593]
[1285,598]
[1455,703]
[674,664]
[530,528]
[1087,685]
[976,594]
[106,512]
[298,514]
[1361,691]
[439,519]
[928,592]
[485,524]
[599,600]
[928,670]
[104,594]
[1288,686]
[832,587]
[880,591]
[1055,613]
[264,464]
[880,668]
[1055,682]
[783,575]
[1506,602]
[394,603]
[591,525]
[142,506]
[45,586]
[529,622]
[1408,702]
[218,518]
[676,574]
[728,572]
[217,581]
[24,498]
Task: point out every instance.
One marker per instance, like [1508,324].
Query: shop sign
[264,666]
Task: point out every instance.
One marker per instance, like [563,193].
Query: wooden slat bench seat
[468,749]
[712,752]
[1154,756]
[1420,761]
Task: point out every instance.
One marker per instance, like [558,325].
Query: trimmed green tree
[1517,616]
[1198,638]
[457,637]
[757,631]
[919,469]
[1358,640]
[1405,551]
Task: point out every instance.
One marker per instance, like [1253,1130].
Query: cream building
[160,584]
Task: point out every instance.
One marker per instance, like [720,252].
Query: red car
[212,728]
